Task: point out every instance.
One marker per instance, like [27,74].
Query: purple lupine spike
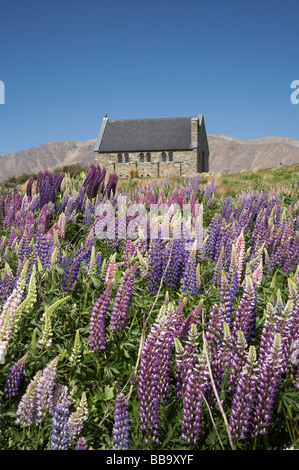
[235,361]
[38,398]
[175,268]
[72,270]
[186,358]
[289,325]
[12,384]
[196,386]
[245,315]
[97,336]
[240,421]
[59,436]
[121,423]
[81,444]
[153,385]
[29,186]
[193,317]
[156,262]
[26,411]
[189,278]
[118,319]
[221,358]
[45,390]
[269,373]
[229,286]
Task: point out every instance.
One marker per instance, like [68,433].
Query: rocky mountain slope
[227,155]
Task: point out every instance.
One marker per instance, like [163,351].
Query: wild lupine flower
[59,437]
[38,398]
[61,228]
[128,252]
[240,421]
[153,385]
[219,268]
[81,444]
[240,252]
[89,209]
[77,419]
[156,263]
[76,349]
[220,360]
[97,335]
[228,292]
[7,283]
[193,317]
[190,283]
[185,359]
[45,389]
[72,270]
[175,267]
[121,304]
[111,268]
[29,300]
[9,309]
[235,360]
[27,407]
[47,333]
[245,315]
[196,386]
[29,186]
[11,387]
[269,373]
[121,424]
[257,274]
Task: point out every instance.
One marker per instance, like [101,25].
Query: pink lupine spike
[240,254]
[257,274]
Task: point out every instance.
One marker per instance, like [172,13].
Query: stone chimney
[194,132]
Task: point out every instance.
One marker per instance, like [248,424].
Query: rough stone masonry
[162,147]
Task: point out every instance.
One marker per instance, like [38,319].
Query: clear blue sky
[67,63]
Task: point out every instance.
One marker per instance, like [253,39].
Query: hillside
[227,155]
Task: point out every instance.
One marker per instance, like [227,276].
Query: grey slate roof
[144,134]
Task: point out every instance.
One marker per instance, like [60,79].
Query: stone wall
[184,164]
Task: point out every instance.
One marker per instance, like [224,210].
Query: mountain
[227,155]
[231,155]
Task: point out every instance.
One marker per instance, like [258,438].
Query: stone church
[162,147]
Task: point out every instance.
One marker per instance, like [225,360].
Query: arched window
[126,158]
[163,157]
[141,157]
[119,158]
[170,156]
[148,157]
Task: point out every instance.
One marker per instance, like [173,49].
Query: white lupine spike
[241,339]
[292,289]
[270,310]
[288,308]
[251,357]
[46,338]
[276,348]
[226,332]
[76,349]
[178,346]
